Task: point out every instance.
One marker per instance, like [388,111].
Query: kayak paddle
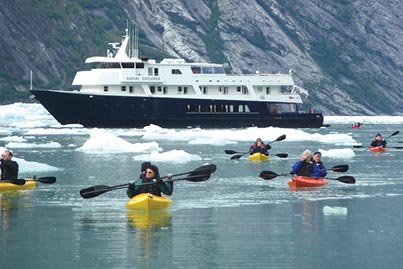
[270,174]
[267,175]
[15,181]
[45,180]
[393,134]
[280,155]
[199,174]
[338,168]
[236,157]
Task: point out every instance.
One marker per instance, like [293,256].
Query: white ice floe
[31,167]
[174,156]
[335,210]
[363,119]
[14,145]
[345,153]
[102,141]
[13,139]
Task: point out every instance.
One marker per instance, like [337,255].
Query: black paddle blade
[46,180]
[280,138]
[282,155]
[228,151]
[395,133]
[94,191]
[17,181]
[206,168]
[198,178]
[346,179]
[340,168]
[266,175]
[236,157]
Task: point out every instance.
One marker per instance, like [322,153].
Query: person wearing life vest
[303,167]
[319,169]
[150,175]
[378,141]
[260,147]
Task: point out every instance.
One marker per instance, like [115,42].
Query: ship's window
[204,90]
[218,70]
[155,71]
[159,88]
[205,108]
[165,90]
[109,65]
[150,71]
[131,89]
[259,89]
[123,88]
[128,65]
[139,65]
[225,90]
[207,70]
[180,89]
[196,69]
[105,88]
[268,91]
[238,89]
[176,72]
[192,108]
[244,90]
[152,89]
[283,88]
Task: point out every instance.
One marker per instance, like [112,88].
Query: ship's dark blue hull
[109,111]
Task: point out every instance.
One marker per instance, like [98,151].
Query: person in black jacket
[378,141]
[260,147]
[150,175]
[304,167]
[9,168]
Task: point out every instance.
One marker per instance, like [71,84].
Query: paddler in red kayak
[378,141]
[309,166]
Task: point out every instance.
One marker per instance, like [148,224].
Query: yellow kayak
[258,157]
[148,201]
[149,219]
[7,186]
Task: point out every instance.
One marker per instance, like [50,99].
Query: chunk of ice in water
[335,210]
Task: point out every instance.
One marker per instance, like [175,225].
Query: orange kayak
[300,181]
[377,149]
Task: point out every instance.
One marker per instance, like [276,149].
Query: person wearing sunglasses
[150,175]
[8,167]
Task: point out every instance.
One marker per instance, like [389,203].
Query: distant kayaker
[260,147]
[304,167]
[378,141]
[9,168]
[319,169]
[151,175]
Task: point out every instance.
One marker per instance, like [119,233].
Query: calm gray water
[233,220]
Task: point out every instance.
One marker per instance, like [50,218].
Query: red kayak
[377,149]
[300,181]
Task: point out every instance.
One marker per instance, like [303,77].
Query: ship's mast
[136,41]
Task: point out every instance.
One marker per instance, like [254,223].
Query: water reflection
[9,204]
[152,229]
